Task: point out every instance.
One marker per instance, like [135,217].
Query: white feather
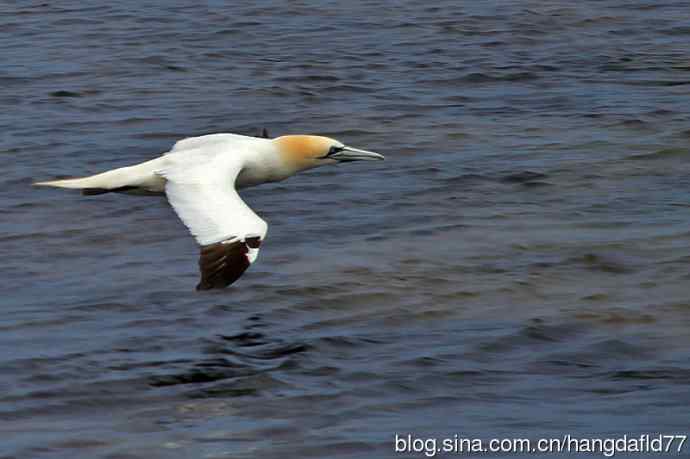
[210,140]
[200,178]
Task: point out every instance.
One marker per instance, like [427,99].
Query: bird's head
[302,152]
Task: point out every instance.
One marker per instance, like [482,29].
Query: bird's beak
[355,154]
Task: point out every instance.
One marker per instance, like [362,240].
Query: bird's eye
[334,149]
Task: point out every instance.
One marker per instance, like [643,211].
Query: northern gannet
[200,175]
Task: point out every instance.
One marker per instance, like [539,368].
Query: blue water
[517,267]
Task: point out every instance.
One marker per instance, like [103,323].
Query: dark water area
[517,267]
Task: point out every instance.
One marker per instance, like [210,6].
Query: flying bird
[200,177]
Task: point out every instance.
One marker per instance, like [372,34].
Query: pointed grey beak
[355,154]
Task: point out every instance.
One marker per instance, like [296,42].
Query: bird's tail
[122,179]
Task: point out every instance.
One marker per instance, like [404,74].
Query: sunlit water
[518,266]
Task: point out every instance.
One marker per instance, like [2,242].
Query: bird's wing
[200,187]
[207,141]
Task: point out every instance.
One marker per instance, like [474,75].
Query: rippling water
[517,267]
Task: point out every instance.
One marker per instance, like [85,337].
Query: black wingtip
[222,264]
[94,191]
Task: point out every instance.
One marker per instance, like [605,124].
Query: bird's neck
[264,165]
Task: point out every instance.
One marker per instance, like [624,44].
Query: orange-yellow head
[302,152]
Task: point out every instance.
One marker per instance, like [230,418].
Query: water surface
[517,267]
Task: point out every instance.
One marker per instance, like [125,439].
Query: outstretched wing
[200,188]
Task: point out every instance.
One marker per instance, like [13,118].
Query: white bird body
[200,176]
[260,158]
